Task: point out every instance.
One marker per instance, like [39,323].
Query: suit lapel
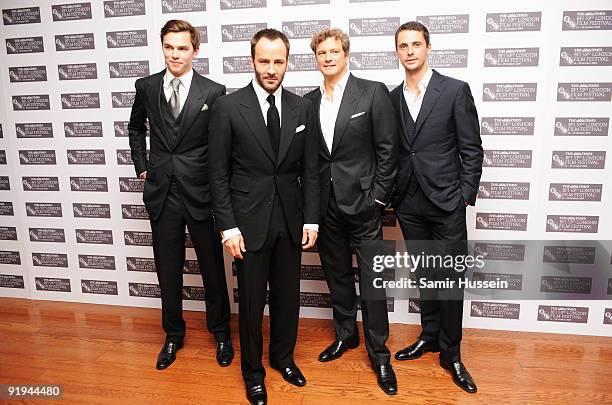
[289,118]
[350,98]
[316,104]
[432,94]
[157,91]
[198,93]
[251,112]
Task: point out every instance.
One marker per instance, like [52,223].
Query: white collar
[262,94]
[185,79]
[423,83]
[339,87]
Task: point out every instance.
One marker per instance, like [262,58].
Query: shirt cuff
[312,227]
[380,202]
[229,234]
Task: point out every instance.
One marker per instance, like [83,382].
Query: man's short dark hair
[181,26]
[413,26]
[270,34]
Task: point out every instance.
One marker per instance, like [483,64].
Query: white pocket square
[357,115]
[204,107]
[300,128]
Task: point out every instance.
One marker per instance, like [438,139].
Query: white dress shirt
[414,101]
[328,109]
[262,96]
[183,87]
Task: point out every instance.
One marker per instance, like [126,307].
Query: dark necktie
[274,130]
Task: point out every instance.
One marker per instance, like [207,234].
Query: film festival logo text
[91,210]
[446,24]
[40,183]
[380,60]
[182,6]
[562,159]
[365,27]
[73,101]
[513,22]
[130,185]
[238,4]
[123,99]
[31,102]
[10,257]
[52,284]
[286,3]
[501,221]
[240,32]
[499,310]
[585,56]
[587,20]
[17,16]
[22,74]
[568,314]
[98,262]
[34,130]
[47,235]
[503,190]
[237,64]
[74,42]
[80,71]
[507,126]
[569,254]
[126,39]
[6,209]
[572,223]
[574,192]
[123,8]
[94,236]
[509,92]
[126,69]
[40,209]
[50,260]
[511,57]
[304,29]
[584,92]
[103,287]
[582,126]
[11,281]
[84,129]
[69,12]
[507,158]
[89,184]
[24,45]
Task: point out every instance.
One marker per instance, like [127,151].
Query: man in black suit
[440,167]
[264,174]
[358,158]
[177,103]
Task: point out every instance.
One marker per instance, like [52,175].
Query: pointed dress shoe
[257,395]
[167,355]
[225,352]
[336,349]
[292,375]
[386,378]
[460,375]
[416,350]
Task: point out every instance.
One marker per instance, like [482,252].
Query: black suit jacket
[444,149]
[363,161]
[187,159]
[244,172]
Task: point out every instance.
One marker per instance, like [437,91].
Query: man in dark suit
[440,167]
[177,103]
[358,159]
[264,177]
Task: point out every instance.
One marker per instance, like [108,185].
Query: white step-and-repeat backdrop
[72,223]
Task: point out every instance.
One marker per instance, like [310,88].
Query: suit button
[327,183]
[168,176]
[270,202]
[412,153]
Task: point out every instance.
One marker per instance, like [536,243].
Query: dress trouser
[169,251]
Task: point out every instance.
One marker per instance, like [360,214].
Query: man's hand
[309,238]
[235,246]
[143,175]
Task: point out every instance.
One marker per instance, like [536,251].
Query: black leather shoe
[167,355]
[225,352]
[292,375]
[336,349]
[461,376]
[416,350]
[386,378]
[257,394]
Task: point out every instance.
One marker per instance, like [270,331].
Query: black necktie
[274,130]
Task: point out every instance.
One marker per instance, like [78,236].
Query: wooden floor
[106,354]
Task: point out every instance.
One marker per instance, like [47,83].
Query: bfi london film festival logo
[22,74]
[85,157]
[414,306]
[123,8]
[587,20]
[201,65]
[302,62]
[503,190]
[549,313]
[121,128]
[373,60]
[193,293]
[134,211]
[40,209]
[123,99]
[514,282]
[513,22]
[124,157]
[289,3]
[78,71]
[137,68]
[300,90]
[144,264]
[8,233]
[448,58]
[47,235]
[5,183]
[69,12]
[507,158]
[500,310]
[89,184]
[446,24]
[6,209]
[37,157]
[130,185]
[569,254]
[240,32]
[373,27]
[91,210]
[182,6]
[191,267]
[574,192]
[572,223]
[84,129]
[52,284]
[304,29]
[584,91]
[607,316]
[309,272]
[511,57]
[144,290]
[74,101]
[31,102]
[586,56]
[203,33]
[237,64]
[11,281]
[40,183]
[566,159]
[566,284]
[2,157]
[24,45]
[582,126]
[509,91]
[97,262]
[74,42]
[103,287]
[501,221]
[50,260]
[94,236]
[237,4]
[10,257]
[126,39]
[137,238]
[507,125]
[17,16]
[34,130]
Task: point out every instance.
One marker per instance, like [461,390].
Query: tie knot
[271,100]
[176,82]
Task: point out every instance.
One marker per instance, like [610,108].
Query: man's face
[178,52]
[412,50]
[270,63]
[331,59]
